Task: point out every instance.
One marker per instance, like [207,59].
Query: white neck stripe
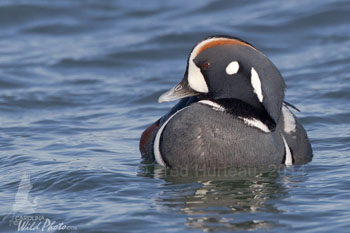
[253,122]
[216,107]
[256,83]
[256,123]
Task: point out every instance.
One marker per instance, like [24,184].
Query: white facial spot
[196,79]
[216,107]
[232,68]
[256,84]
[256,123]
[288,120]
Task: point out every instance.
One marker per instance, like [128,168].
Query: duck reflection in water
[228,199]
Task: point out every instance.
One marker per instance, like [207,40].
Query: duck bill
[180,91]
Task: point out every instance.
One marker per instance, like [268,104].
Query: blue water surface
[79,82]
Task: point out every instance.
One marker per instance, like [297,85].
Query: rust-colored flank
[147,135]
[223,41]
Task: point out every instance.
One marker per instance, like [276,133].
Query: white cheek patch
[256,84]
[232,68]
[288,120]
[216,107]
[196,79]
[256,123]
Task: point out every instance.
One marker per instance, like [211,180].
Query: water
[79,81]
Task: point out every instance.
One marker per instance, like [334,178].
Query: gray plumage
[204,138]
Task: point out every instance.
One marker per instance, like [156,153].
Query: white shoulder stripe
[289,159]
[256,83]
[256,123]
[288,120]
[216,107]
[156,145]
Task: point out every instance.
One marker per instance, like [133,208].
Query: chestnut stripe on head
[220,41]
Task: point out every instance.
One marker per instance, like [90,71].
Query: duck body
[230,113]
[199,136]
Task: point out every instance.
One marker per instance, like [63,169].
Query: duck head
[223,67]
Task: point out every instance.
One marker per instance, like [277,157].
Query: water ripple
[80,80]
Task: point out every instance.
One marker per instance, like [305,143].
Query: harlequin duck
[231,113]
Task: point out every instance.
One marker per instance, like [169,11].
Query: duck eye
[205,65]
